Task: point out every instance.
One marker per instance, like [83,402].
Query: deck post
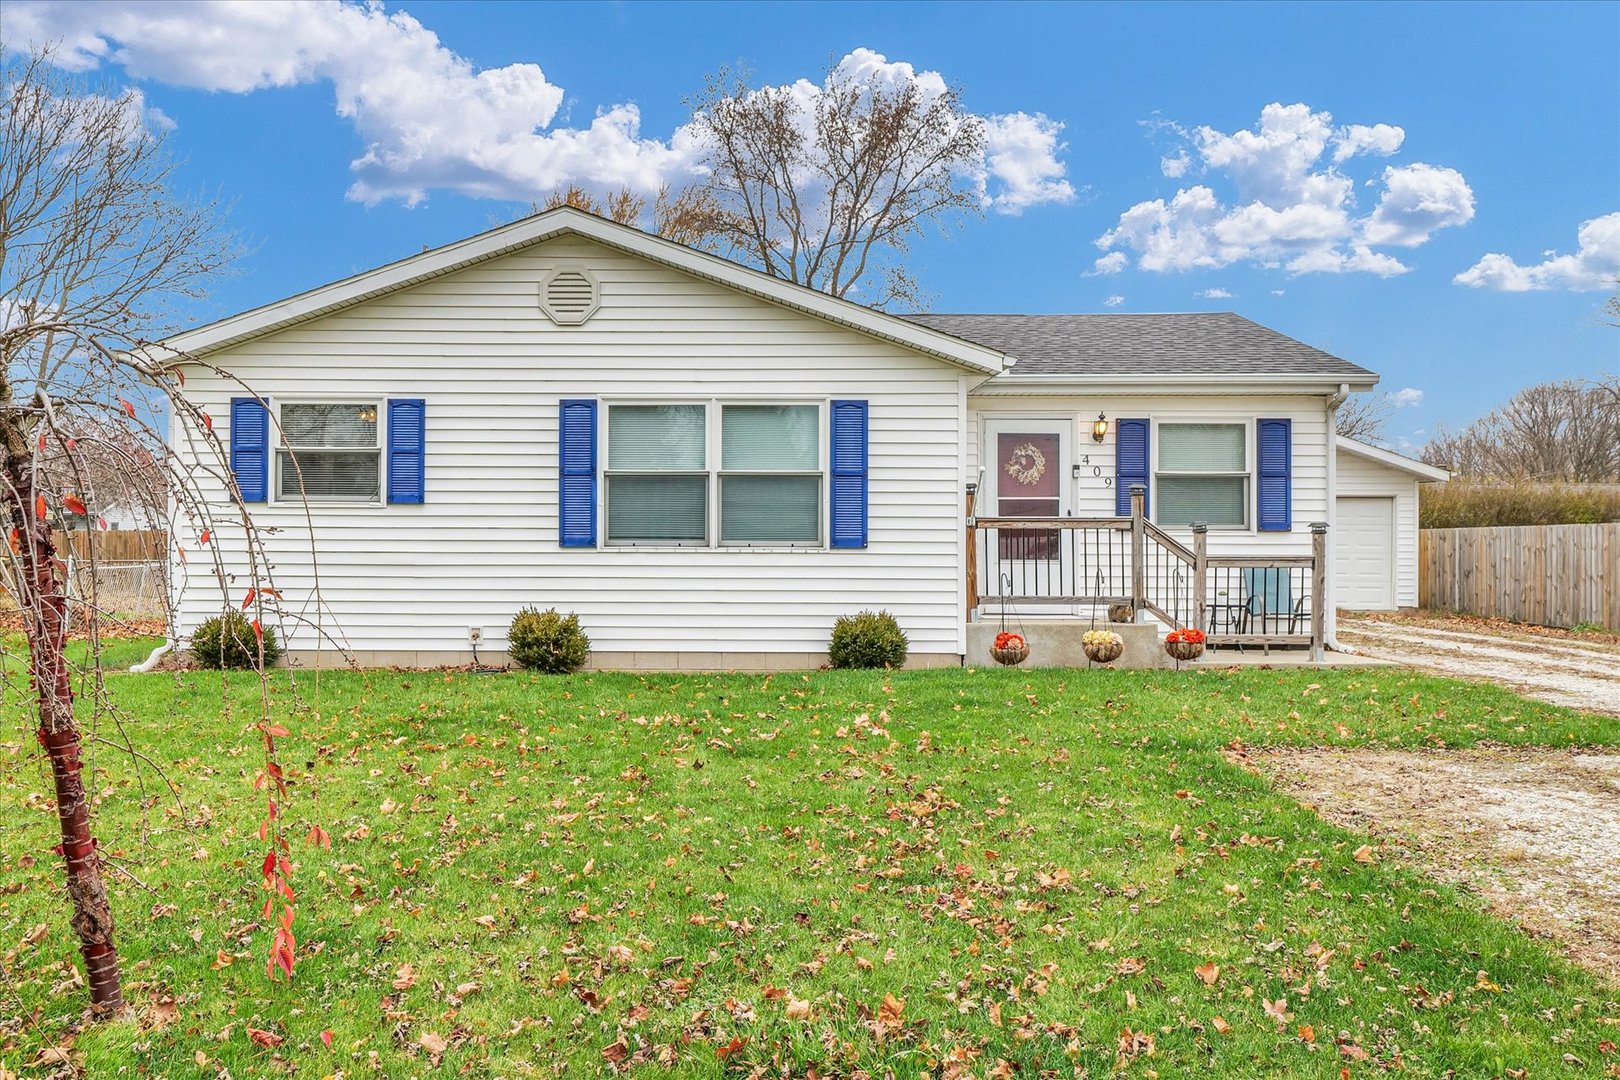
[972,553]
[1138,549]
[1200,533]
[1318,590]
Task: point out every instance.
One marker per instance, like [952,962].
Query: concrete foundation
[599,661]
[1057,643]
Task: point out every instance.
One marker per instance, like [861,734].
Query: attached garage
[1374,538]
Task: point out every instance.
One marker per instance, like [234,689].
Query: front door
[1026,475]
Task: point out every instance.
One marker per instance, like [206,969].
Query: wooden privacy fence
[128,545]
[1550,575]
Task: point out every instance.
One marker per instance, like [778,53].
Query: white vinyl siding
[492,368]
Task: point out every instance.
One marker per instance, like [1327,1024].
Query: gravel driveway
[1579,674]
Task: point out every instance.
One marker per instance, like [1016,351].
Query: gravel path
[1581,675]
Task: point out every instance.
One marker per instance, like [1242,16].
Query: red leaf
[208,421]
[130,409]
[247,601]
[41,511]
[180,375]
[75,505]
[42,440]
[101,523]
[258,631]
[737,1043]
[265,1038]
[326,1037]
[15,540]
[275,729]
[73,444]
[207,534]
[269,863]
[318,837]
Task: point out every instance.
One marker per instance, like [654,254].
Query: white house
[710,465]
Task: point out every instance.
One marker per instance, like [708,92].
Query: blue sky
[1412,204]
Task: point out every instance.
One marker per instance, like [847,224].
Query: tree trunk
[42,598]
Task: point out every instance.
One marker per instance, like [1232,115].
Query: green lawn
[544,876]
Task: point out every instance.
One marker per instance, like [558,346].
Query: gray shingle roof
[1202,343]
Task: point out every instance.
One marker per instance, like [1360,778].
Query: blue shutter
[1273,440]
[576,482]
[407,446]
[1130,463]
[847,485]
[250,448]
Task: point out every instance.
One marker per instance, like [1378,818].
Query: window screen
[329,452]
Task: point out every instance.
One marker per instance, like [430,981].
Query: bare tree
[97,255]
[828,189]
[1363,417]
[1557,431]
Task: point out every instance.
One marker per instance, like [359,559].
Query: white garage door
[1364,555]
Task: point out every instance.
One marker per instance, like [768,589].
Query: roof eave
[1188,382]
[1420,469]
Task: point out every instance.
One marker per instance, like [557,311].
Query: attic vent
[569,297]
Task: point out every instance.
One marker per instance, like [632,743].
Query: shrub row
[1472,505]
[552,643]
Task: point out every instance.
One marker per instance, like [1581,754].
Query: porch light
[1099,430]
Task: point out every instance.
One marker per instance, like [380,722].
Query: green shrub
[546,641]
[871,639]
[227,641]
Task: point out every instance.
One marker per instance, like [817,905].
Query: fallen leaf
[1307,1033]
[1277,1010]
[35,936]
[891,1009]
[404,977]
[1131,965]
[267,1039]
[617,1050]
[1208,972]
[433,1043]
[326,1038]
[1220,1025]
[797,1009]
[737,1043]
[1365,854]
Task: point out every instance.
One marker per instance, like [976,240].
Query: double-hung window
[770,474]
[329,451]
[658,474]
[714,473]
[1203,475]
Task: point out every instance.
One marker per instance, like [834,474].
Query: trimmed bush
[546,641]
[871,639]
[227,642]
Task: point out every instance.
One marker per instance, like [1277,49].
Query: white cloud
[1290,208]
[1022,151]
[1381,139]
[1406,397]
[1214,294]
[1595,264]
[1111,263]
[430,119]
[1418,201]
[1113,301]
[1175,165]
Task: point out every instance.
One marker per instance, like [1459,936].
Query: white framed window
[329,451]
[770,474]
[1202,475]
[733,474]
[657,478]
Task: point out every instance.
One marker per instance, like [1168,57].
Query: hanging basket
[1009,649]
[1184,644]
[1102,646]
[1121,613]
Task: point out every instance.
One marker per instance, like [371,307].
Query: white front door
[1363,559]
[1026,474]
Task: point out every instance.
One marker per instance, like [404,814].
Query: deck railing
[1130,562]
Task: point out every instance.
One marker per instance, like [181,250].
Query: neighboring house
[710,465]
